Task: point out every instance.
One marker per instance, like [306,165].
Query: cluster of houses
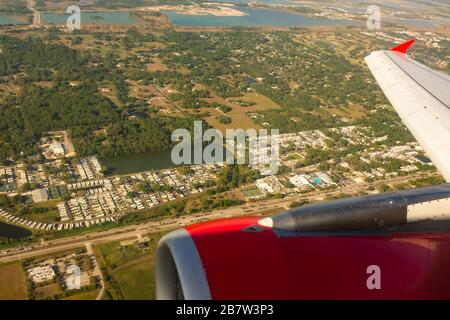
[32,174]
[411,154]
[429,38]
[7,216]
[89,168]
[298,182]
[47,226]
[269,184]
[105,200]
[95,199]
[262,147]
[7,179]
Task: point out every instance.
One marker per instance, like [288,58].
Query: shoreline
[219,10]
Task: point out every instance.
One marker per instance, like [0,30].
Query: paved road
[169,99]
[97,272]
[36,14]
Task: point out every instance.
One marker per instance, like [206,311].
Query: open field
[131,267]
[47,291]
[156,65]
[51,215]
[262,103]
[238,122]
[12,282]
[136,278]
[116,255]
[240,107]
[250,193]
[84,296]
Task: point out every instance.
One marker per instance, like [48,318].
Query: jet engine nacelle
[243,258]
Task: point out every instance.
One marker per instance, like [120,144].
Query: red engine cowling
[239,259]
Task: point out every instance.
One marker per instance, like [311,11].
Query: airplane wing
[421,96]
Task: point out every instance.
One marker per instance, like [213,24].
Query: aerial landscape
[87,117]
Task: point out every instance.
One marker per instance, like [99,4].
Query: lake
[6,19]
[254,17]
[13,232]
[134,163]
[269,2]
[420,23]
[101,17]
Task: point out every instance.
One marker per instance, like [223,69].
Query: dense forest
[40,61]
[305,80]
[95,123]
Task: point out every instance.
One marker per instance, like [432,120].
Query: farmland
[12,282]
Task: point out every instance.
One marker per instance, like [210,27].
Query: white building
[40,195]
[299,181]
[41,274]
[325,178]
[57,149]
[269,184]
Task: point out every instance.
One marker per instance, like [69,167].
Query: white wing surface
[421,96]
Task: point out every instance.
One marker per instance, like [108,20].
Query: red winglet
[403,48]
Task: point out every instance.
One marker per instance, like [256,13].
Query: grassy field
[116,255]
[84,296]
[136,279]
[130,267]
[239,121]
[47,291]
[262,102]
[51,215]
[157,65]
[294,156]
[250,193]
[238,114]
[12,282]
